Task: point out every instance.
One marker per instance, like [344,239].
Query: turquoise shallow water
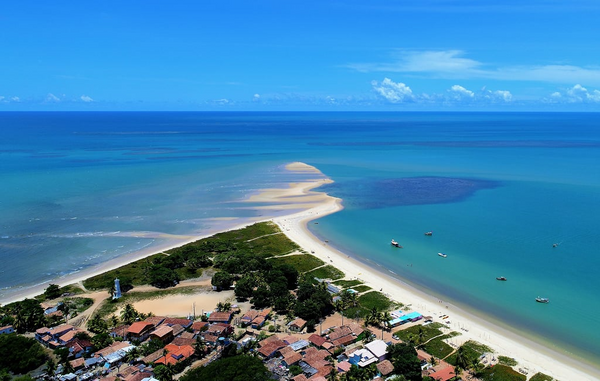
[496,189]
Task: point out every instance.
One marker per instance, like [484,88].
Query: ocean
[498,190]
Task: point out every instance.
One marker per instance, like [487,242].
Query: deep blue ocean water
[497,189]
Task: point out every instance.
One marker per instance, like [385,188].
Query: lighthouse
[117,293]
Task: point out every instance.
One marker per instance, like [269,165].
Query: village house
[175,354]
[297,325]
[219,317]
[185,323]
[164,333]
[140,330]
[6,329]
[119,332]
[155,320]
[385,368]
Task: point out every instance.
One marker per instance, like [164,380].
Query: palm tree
[164,372]
[200,347]
[65,309]
[332,376]
[129,314]
[374,317]
[461,358]
[50,367]
[132,355]
[420,336]
[432,361]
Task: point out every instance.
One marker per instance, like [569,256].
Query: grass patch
[438,348]
[472,350]
[326,272]
[541,377]
[79,304]
[362,288]
[272,245]
[375,299]
[135,272]
[501,373]
[345,283]
[508,361]
[302,262]
[428,332]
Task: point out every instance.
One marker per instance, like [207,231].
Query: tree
[162,277]
[50,367]
[129,314]
[222,280]
[29,315]
[102,340]
[236,368]
[164,373]
[19,354]
[245,287]
[52,292]
[404,358]
[97,325]
[223,307]
[65,309]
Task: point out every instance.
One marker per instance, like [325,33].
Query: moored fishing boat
[442,255]
[542,300]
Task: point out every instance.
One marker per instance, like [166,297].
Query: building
[140,330]
[164,333]
[219,317]
[297,324]
[175,354]
[6,329]
[378,348]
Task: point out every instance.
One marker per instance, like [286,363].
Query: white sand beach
[312,205]
[531,356]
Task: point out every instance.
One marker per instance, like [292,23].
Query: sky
[325,55]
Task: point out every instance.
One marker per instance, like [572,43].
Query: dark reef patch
[383,193]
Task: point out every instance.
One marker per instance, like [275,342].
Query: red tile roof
[219,317]
[443,374]
[175,354]
[139,326]
[317,340]
[385,367]
[181,322]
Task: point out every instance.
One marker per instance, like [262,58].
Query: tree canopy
[236,368]
[20,354]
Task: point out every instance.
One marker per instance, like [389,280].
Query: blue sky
[300,55]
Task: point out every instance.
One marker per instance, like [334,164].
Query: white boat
[542,300]
[442,255]
[394,243]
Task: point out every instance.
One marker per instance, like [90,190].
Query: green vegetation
[19,354]
[541,377]
[375,299]
[313,302]
[404,358]
[472,350]
[429,332]
[301,262]
[500,373]
[362,288]
[326,272]
[52,292]
[28,315]
[344,283]
[236,368]
[234,248]
[437,347]
[508,361]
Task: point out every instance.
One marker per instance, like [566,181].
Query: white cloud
[51,98]
[256,98]
[86,98]
[451,64]
[575,94]
[394,92]
[15,99]
[459,93]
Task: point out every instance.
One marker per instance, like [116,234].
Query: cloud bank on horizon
[347,55]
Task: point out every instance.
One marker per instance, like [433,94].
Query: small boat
[500,278]
[442,255]
[394,243]
[428,233]
[542,300]
[555,244]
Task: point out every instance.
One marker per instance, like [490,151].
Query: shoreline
[530,355]
[313,205]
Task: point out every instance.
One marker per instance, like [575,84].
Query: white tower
[117,293]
